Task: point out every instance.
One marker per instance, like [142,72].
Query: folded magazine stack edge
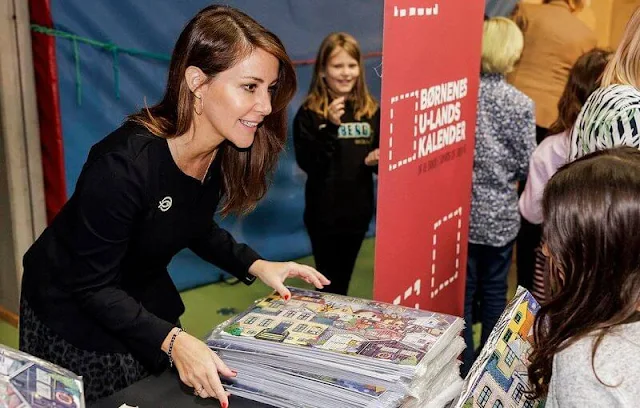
[320,350]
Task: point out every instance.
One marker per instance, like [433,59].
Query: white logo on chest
[165,204]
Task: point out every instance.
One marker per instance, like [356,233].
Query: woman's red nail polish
[224,404]
[286,297]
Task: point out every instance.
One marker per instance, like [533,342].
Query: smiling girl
[336,136]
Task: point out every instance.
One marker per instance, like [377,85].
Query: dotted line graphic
[401,162]
[436,289]
[408,292]
[416,11]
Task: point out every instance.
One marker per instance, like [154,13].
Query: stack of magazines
[324,350]
[28,382]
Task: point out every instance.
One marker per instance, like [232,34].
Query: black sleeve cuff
[251,257]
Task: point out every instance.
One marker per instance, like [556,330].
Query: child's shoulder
[508,96]
[610,379]
[520,97]
[619,348]
[553,148]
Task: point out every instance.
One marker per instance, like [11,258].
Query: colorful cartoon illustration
[27,382]
[498,378]
[343,325]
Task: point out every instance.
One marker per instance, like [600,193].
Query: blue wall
[275,229]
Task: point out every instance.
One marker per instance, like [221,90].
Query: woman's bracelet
[173,339]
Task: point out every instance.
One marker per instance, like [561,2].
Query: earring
[195,106]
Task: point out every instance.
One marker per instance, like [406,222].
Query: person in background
[553,151]
[554,38]
[586,350]
[611,115]
[553,41]
[336,136]
[96,295]
[505,139]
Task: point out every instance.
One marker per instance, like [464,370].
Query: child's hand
[372,158]
[336,110]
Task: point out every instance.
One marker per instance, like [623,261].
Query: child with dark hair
[553,151]
[554,39]
[587,335]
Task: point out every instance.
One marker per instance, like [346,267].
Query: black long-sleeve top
[339,189]
[98,274]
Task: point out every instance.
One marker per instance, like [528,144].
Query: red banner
[46,78]
[431,70]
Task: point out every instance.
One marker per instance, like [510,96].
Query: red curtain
[45,67]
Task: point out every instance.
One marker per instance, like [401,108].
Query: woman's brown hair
[216,39]
[318,98]
[591,213]
[584,78]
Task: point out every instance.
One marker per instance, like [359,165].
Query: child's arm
[527,142]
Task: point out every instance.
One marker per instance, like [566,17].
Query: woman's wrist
[167,340]
[172,343]
[257,267]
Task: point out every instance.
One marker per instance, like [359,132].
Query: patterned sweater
[505,139]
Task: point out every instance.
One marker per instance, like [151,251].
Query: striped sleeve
[609,118]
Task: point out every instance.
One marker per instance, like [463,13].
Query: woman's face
[341,73]
[237,100]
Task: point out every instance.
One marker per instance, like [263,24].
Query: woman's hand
[372,158]
[199,366]
[336,110]
[273,274]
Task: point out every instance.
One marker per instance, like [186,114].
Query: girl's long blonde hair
[318,98]
[624,67]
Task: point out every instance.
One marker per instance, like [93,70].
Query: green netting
[109,47]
